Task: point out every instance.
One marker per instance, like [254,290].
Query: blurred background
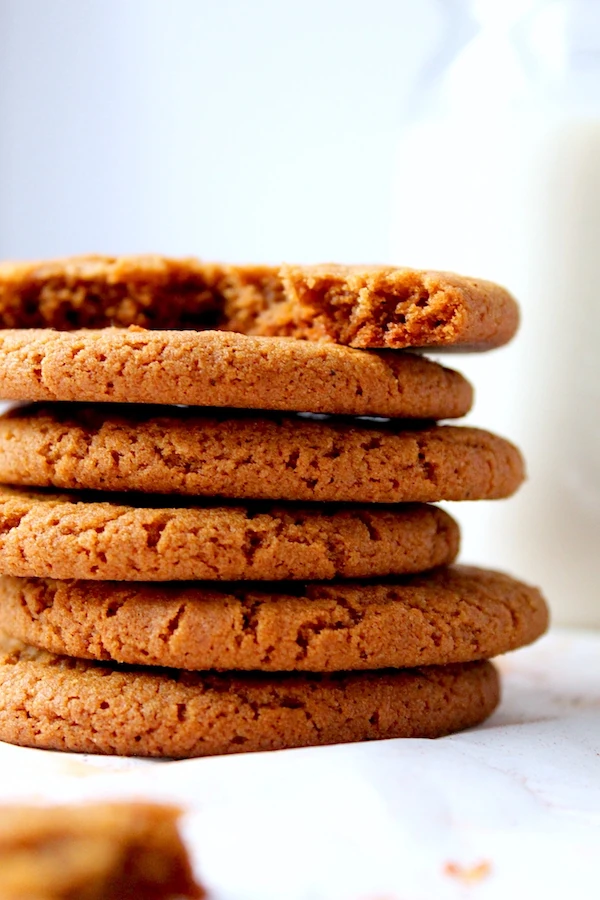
[441,134]
[231,129]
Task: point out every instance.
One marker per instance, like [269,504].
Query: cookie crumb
[468,874]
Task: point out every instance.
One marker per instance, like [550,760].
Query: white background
[234,130]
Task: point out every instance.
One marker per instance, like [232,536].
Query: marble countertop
[510,809]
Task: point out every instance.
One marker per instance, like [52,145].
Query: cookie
[94,851]
[215,368]
[139,448]
[361,306]
[59,703]
[451,615]
[64,536]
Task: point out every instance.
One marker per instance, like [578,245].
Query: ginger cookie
[91,537]
[360,306]
[96,851]
[216,368]
[58,703]
[238,455]
[450,615]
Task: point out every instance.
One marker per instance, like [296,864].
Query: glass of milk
[499,177]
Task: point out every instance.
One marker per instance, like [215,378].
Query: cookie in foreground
[127,447]
[96,851]
[361,306]
[59,703]
[451,615]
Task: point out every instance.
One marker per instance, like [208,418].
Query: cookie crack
[173,624]
[309,630]
[427,467]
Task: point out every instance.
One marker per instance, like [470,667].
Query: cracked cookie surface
[213,368]
[244,455]
[361,306]
[94,537]
[451,615]
[58,703]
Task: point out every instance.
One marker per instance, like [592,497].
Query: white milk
[519,202]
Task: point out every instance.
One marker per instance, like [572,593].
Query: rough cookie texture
[237,455]
[448,616]
[65,536]
[362,306]
[215,368]
[107,851]
[59,703]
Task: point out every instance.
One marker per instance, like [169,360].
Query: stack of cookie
[247,556]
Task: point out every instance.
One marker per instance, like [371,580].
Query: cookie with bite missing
[360,306]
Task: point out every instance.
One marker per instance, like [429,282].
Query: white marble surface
[508,810]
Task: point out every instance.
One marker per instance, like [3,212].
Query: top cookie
[361,306]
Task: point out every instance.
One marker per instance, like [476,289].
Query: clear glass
[499,176]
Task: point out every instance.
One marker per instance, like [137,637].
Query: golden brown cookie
[216,368]
[95,851]
[447,616]
[59,703]
[72,536]
[362,306]
[139,448]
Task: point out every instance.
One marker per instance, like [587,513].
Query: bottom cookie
[58,703]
